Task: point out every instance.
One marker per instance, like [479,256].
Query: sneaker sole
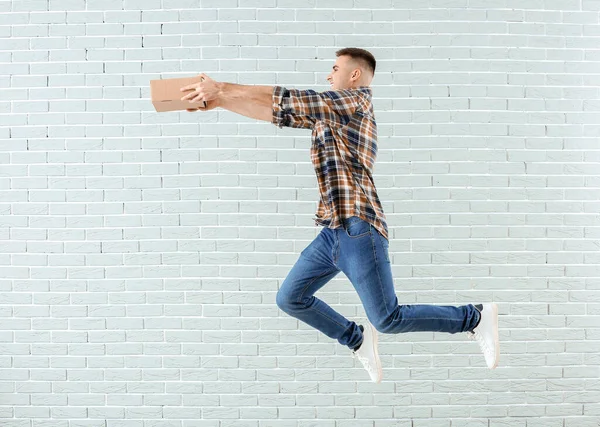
[375,341]
[496,338]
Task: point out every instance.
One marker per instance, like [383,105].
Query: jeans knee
[283,301]
[382,325]
[288,304]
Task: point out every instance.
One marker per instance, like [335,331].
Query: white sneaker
[368,354]
[486,334]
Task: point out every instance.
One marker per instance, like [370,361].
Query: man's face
[341,73]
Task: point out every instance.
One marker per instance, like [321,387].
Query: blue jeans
[361,252]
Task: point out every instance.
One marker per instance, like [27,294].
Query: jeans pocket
[356,227]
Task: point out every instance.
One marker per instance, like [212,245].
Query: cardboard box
[166,94]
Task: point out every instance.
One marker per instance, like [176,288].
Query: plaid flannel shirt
[343,150]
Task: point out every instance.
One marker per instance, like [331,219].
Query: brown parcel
[166,94]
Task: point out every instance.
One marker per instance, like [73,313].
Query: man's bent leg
[365,261]
[314,268]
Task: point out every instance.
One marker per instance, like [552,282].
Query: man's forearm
[248,100]
[260,95]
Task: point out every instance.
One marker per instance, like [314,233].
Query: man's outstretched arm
[248,100]
[289,107]
[262,103]
[275,104]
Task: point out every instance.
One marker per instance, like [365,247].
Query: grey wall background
[140,253]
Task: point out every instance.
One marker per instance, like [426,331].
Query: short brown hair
[361,55]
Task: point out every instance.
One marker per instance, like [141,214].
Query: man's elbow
[247,108]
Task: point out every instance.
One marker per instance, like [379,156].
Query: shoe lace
[476,336]
[365,361]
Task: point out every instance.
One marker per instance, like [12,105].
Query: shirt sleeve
[303,108]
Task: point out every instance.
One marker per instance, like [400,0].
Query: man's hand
[206,90]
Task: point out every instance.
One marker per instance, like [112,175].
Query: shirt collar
[365,89]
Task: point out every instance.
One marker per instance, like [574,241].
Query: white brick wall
[140,253]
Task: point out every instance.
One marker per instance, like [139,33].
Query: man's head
[353,68]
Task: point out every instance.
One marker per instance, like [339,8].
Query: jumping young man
[354,239]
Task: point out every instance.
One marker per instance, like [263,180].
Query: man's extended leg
[315,267]
[364,260]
